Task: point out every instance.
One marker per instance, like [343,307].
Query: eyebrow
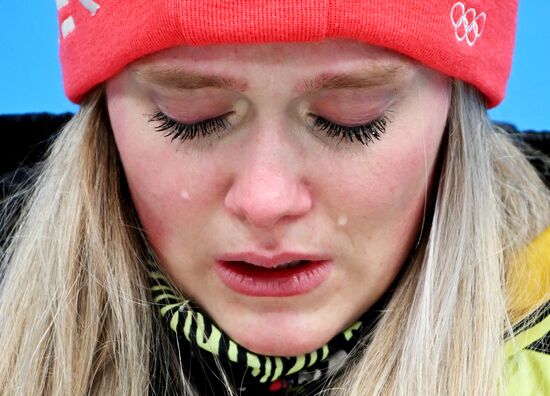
[174,78]
[374,75]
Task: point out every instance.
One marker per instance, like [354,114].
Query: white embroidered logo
[468,25]
[68,25]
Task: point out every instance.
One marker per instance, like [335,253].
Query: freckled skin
[270,184]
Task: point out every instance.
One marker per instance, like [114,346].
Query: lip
[252,274]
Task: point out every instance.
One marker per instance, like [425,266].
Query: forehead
[275,53]
[312,65]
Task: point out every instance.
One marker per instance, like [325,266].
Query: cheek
[166,194]
[385,190]
[401,169]
[387,182]
[169,200]
[156,199]
[402,198]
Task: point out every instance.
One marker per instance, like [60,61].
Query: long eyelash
[179,130]
[364,134]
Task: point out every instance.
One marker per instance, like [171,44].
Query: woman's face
[241,159]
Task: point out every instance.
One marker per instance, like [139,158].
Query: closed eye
[183,131]
[364,134]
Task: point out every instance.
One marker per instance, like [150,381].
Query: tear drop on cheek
[184,195]
[342,220]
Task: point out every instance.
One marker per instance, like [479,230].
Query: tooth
[291,264]
[282,266]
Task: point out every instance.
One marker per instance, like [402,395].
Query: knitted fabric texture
[471,40]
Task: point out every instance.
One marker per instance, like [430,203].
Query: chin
[281,338]
[281,347]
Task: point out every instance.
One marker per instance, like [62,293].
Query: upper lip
[272,261]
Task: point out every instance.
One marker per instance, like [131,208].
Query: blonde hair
[77,317]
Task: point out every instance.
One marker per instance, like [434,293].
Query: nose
[267,190]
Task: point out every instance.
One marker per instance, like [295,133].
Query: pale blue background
[31,77]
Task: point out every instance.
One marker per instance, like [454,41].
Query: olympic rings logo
[468,26]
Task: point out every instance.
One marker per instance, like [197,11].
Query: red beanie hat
[471,40]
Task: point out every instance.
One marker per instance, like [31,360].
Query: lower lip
[257,281]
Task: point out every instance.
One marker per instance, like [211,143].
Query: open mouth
[285,279]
